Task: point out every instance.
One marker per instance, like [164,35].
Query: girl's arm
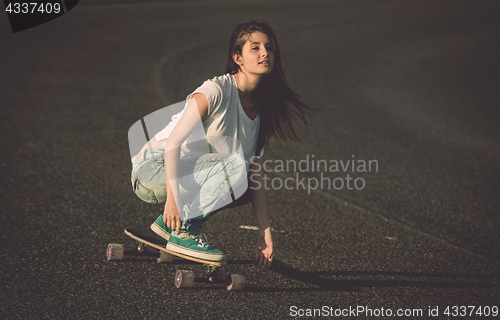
[193,115]
[264,252]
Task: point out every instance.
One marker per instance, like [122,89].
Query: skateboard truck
[141,247]
[210,276]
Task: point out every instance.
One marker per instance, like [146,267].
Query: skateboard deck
[183,278]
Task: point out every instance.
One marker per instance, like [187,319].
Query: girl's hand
[171,215]
[264,253]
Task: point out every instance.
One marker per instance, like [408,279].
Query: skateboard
[183,278]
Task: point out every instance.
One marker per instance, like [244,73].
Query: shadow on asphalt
[357,279]
[418,280]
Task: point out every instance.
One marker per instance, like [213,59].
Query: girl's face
[257,55]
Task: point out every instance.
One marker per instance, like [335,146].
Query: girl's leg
[216,175]
[203,187]
[219,178]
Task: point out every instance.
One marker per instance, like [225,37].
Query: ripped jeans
[207,184]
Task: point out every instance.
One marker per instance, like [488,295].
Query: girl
[199,163]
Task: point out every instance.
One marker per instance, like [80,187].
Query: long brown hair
[278,104]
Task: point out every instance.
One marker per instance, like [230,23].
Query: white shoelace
[202,240]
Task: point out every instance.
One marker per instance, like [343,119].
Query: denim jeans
[206,184]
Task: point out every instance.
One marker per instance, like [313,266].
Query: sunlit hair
[278,104]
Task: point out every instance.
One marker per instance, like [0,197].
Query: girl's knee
[144,193]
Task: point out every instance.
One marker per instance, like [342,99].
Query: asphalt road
[410,85]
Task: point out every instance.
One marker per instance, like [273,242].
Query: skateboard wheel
[165,257]
[115,251]
[184,279]
[237,282]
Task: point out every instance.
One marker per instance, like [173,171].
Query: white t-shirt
[226,122]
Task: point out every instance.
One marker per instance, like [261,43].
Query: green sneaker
[194,245]
[161,229]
